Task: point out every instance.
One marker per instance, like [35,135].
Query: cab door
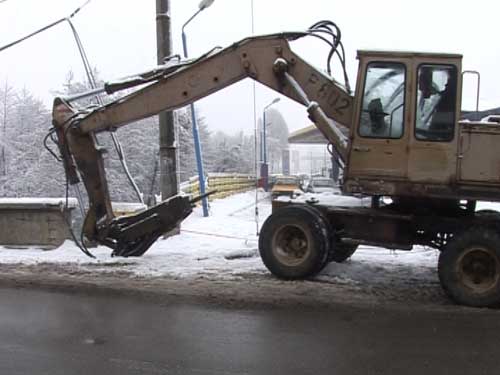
[379,142]
[433,145]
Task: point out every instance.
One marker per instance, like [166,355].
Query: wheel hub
[291,245]
[479,269]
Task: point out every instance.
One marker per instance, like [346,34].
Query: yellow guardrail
[225,184]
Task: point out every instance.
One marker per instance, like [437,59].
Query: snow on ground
[223,244]
[224,247]
[58,202]
[327,198]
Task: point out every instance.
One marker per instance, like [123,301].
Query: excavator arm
[267,59]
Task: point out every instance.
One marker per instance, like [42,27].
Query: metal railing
[225,184]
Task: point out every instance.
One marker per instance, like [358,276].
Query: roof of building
[311,135]
[477,116]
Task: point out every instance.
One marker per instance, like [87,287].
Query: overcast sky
[119,37]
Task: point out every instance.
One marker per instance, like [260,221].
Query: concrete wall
[40,223]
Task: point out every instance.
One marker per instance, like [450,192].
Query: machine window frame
[455,71]
[405,80]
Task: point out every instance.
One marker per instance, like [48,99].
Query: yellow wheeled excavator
[398,138]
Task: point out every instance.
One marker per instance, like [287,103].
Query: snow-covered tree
[234,153]
[138,141]
[7,102]
[30,169]
[276,139]
[187,155]
[27,169]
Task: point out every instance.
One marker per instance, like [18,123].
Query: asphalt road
[53,333]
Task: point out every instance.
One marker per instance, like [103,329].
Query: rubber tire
[340,252]
[448,262]
[308,219]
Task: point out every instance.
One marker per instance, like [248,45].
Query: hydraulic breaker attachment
[132,235]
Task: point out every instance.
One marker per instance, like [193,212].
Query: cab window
[436,103]
[382,111]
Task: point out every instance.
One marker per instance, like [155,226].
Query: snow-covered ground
[224,247]
[224,244]
[205,245]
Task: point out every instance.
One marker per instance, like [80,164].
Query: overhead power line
[43,28]
[91,79]
[93,84]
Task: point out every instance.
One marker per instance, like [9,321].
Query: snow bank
[72,202]
[328,198]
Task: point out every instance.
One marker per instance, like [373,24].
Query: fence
[225,184]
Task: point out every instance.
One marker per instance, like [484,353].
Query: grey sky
[120,40]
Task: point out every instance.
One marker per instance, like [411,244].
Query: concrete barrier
[40,222]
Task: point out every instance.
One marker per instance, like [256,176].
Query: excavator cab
[405,125]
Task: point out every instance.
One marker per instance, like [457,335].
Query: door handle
[362,149]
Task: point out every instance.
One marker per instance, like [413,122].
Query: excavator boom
[267,59]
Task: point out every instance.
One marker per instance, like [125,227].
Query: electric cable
[80,245]
[93,85]
[50,135]
[51,132]
[256,212]
[92,82]
[218,235]
[49,26]
[45,139]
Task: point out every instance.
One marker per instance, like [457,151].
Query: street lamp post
[264,168]
[204,4]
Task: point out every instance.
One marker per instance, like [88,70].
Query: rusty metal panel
[479,154]
[378,157]
[432,162]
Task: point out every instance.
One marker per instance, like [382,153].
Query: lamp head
[205,4]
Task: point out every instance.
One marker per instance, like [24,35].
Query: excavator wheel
[294,242]
[469,267]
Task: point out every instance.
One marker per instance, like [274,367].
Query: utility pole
[168,152]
